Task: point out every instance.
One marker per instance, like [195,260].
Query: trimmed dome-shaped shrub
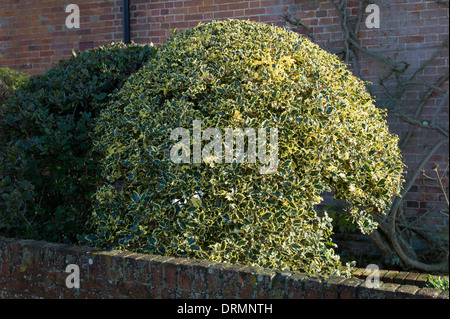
[48,169]
[323,132]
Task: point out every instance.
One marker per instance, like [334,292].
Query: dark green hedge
[48,170]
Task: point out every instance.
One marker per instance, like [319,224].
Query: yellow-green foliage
[242,74]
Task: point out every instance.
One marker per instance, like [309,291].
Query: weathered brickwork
[34,269]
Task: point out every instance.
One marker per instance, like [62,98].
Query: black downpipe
[126,21]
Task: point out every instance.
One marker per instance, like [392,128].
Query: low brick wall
[34,269]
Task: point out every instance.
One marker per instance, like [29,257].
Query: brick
[15,252]
[170,272]
[112,270]
[400,278]
[193,3]
[358,272]
[230,280]
[93,266]
[143,268]
[199,278]
[389,276]
[381,273]
[168,293]
[313,288]
[247,278]
[406,292]
[238,5]
[156,270]
[179,25]
[56,278]
[203,9]
[255,11]
[19,272]
[93,284]
[46,53]
[5,263]
[17,285]
[7,295]
[321,13]
[278,289]
[137,291]
[366,273]
[223,14]
[415,39]
[214,280]
[330,286]
[130,267]
[383,291]
[263,285]
[185,274]
[348,288]
[295,287]
[421,280]
[195,17]
[52,292]
[427,293]
[443,295]
[412,204]
[35,288]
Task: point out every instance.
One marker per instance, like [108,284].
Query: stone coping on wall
[37,269]
[395,276]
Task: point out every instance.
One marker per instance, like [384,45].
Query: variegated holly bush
[242,74]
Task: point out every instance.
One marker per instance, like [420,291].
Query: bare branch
[294,21]
[423,124]
[438,109]
[396,202]
[431,85]
[419,108]
[442,1]
[428,61]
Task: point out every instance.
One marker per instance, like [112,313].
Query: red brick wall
[33,269]
[33,37]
